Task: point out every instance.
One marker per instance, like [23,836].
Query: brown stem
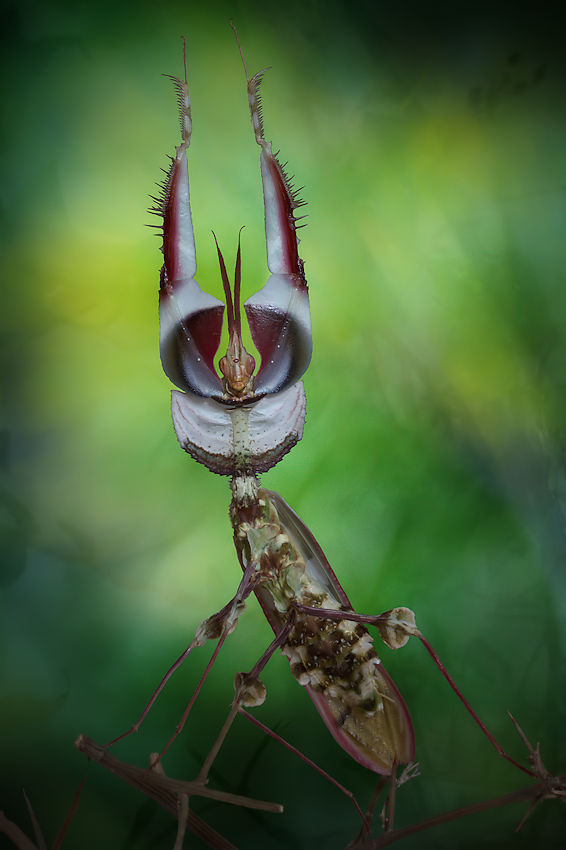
[164,788]
[165,791]
[69,816]
[18,838]
[40,840]
[530,793]
[182,821]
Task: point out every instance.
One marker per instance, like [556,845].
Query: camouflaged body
[335,659]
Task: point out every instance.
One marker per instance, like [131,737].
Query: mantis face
[191,322]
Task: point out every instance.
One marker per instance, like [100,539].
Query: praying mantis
[261,759]
[241,425]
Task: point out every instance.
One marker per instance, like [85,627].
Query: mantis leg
[395,628]
[218,625]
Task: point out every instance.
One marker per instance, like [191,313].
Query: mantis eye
[279,320]
[190,328]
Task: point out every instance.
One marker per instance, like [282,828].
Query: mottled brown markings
[334,658]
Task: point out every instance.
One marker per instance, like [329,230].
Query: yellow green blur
[431,469]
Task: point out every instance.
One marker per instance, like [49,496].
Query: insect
[240,421]
[242,424]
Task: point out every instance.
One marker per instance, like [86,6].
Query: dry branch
[169,792]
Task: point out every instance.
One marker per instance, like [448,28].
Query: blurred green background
[430,140]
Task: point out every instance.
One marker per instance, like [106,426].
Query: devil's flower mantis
[242,424]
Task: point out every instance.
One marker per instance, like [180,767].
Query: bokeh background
[430,140]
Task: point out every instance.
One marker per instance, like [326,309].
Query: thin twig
[182,821]
[69,816]
[18,838]
[523,794]
[39,839]
[166,791]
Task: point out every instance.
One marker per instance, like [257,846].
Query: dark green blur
[430,141]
